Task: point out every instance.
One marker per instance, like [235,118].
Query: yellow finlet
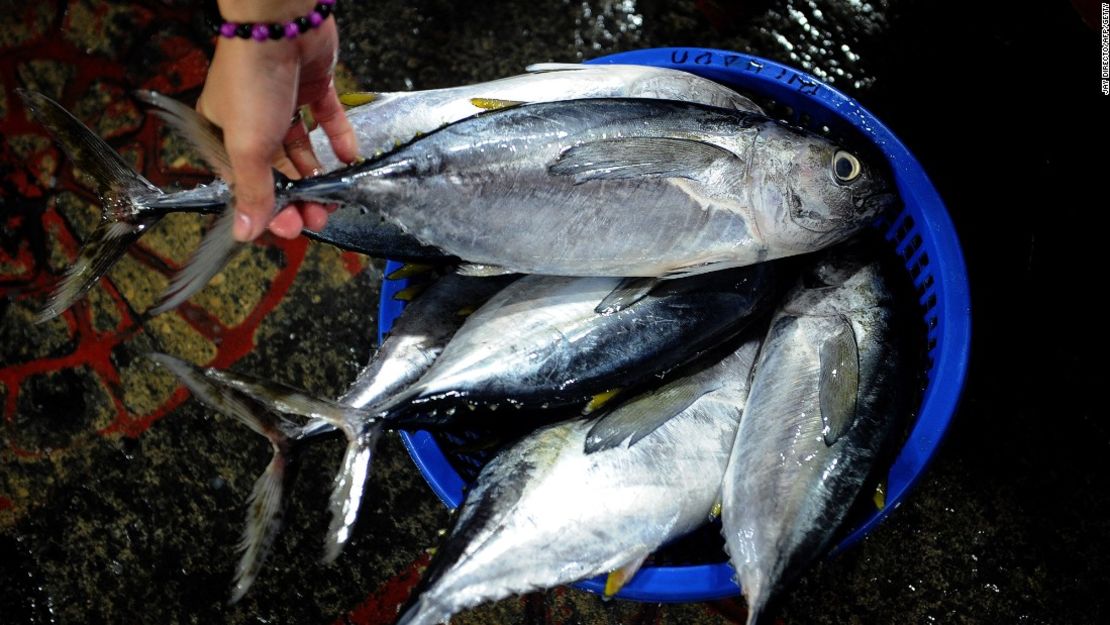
[409,270]
[618,578]
[357,98]
[600,400]
[493,104]
[715,512]
[614,582]
[409,293]
[879,498]
[465,311]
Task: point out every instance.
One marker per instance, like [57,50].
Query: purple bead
[315,19]
[291,30]
[228,29]
[326,1]
[260,32]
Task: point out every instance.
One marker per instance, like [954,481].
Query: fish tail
[264,506]
[349,486]
[122,192]
[362,429]
[219,245]
[757,596]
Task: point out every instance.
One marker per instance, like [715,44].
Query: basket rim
[942,286]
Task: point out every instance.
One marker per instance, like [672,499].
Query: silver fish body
[417,338]
[398,117]
[419,335]
[131,205]
[539,342]
[818,413]
[392,119]
[616,187]
[543,513]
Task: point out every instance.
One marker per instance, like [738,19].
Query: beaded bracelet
[261,31]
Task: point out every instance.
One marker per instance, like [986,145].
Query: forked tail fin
[218,246]
[259,404]
[264,506]
[361,427]
[122,192]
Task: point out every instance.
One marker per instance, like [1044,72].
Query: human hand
[251,92]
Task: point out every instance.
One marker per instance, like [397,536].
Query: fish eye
[846,167]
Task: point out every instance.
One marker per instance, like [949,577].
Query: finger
[282,163]
[253,188]
[330,116]
[287,224]
[298,147]
[315,216]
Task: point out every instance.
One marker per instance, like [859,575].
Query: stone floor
[121,499]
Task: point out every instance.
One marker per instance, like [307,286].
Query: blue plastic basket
[922,235]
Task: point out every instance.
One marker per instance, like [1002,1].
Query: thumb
[253,190]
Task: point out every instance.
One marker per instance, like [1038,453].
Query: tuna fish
[602,187]
[544,512]
[536,344]
[131,204]
[822,403]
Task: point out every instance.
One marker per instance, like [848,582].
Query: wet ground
[121,498]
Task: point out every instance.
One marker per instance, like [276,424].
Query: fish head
[815,191]
[844,280]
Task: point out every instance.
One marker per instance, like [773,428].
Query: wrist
[271,19]
[263,10]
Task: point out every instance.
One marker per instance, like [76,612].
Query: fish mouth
[828,224]
[876,203]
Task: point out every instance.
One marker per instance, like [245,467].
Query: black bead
[277,31]
[303,24]
[323,9]
[243,31]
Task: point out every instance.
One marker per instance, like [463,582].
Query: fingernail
[241,230]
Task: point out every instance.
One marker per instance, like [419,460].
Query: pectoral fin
[627,293]
[839,384]
[618,578]
[641,416]
[638,157]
